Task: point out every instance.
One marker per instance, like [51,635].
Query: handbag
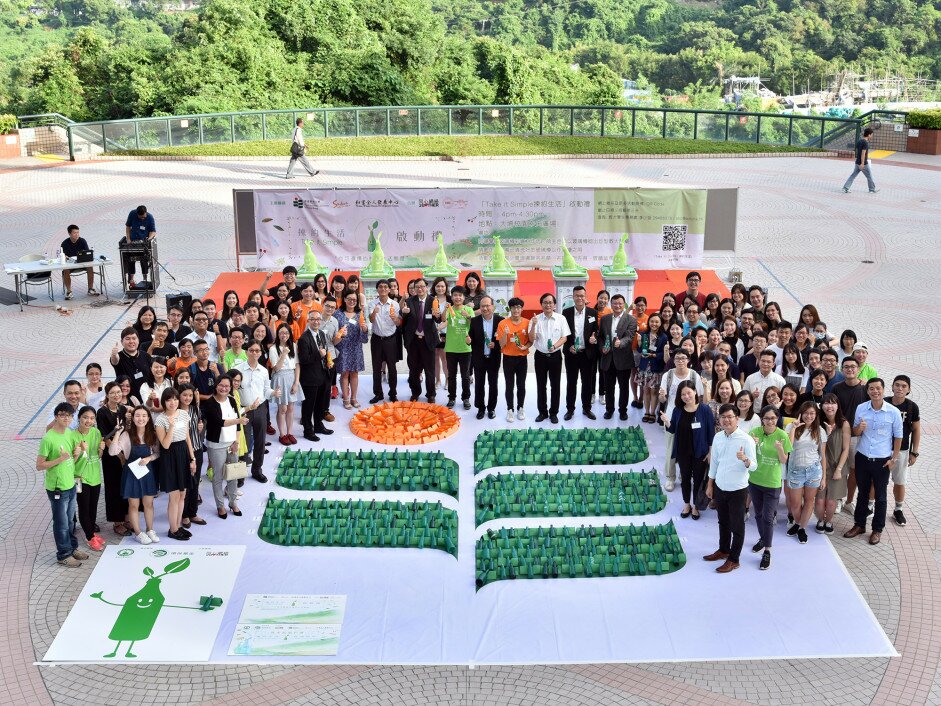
[297,150]
[235,470]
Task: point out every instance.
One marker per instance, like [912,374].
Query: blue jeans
[63,521]
[865,171]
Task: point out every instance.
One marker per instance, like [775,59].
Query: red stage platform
[530,285]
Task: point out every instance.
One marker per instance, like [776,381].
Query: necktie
[419,321]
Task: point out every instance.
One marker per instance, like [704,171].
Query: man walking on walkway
[862,163]
[298,150]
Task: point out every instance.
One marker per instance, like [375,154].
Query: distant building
[632,94]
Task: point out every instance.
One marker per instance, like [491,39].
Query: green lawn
[465,147]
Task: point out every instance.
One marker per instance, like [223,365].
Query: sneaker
[759,545]
[874,191]
[239,493]
[670,485]
[143,538]
[793,530]
[593,398]
[510,416]
[765,560]
[839,506]
[849,508]
[97,543]
[80,555]
[93,292]
[828,527]
[153,536]
[70,562]
[68,295]
[820,528]
[802,535]
[845,190]
[520,414]
[869,508]
[790,520]
[899,517]
[601,400]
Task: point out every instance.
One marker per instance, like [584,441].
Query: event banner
[666,226]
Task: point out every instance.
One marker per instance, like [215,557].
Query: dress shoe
[329,417]
[854,531]
[608,415]
[391,399]
[637,404]
[377,398]
[323,430]
[413,398]
[450,404]
[542,418]
[480,414]
[716,556]
[292,438]
[554,419]
[430,399]
[270,430]
[237,513]
[260,477]
[467,404]
[622,416]
[568,416]
[491,414]
[588,413]
[875,537]
[727,567]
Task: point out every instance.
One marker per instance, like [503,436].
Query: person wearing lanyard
[548,331]
[420,334]
[732,462]
[457,345]
[128,359]
[618,330]
[255,393]
[312,350]
[580,354]
[485,357]
[385,319]
[878,425]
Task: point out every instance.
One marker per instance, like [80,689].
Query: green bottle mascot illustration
[139,612]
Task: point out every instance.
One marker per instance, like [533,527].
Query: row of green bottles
[618,445]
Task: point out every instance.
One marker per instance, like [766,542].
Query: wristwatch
[913,453]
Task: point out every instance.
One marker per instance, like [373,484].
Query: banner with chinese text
[666,226]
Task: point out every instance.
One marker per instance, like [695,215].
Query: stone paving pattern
[798,234]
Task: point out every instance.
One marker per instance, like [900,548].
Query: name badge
[138,375]
[591,319]
[695,425]
[427,316]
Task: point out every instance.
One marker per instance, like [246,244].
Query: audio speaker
[183,300]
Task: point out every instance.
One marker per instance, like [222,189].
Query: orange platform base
[530,285]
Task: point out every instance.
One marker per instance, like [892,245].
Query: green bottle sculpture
[378,266]
[568,268]
[499,266]
[311,265]
[619,266]
[440,267]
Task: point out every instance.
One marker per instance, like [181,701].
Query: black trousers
[191,501]
[258,421]
[871,472]
[312,408]
[87,502]
[421,359]
[458,361]
[514,377]
[115,503]
[731,509]
[548,370]
[485,371]
[383,350]
[579,367]
[621,378]
[692,472]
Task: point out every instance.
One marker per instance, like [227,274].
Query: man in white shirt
[549,332]
[254,393]
[385,319]
[201,332]
[581,353]
[732,459]
[669,383]
[298,150]
[617,331]
[782,336]
[757,383]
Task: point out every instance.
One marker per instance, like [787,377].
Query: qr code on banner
[674,237]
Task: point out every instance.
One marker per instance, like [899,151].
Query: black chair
[38,279]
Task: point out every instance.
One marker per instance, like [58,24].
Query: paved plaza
[869,262]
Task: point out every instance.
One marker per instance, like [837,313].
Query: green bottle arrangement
[563,447]
[410,471]
[577,552]
[362,523]
[568,494]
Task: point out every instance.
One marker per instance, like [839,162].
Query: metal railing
[88,138]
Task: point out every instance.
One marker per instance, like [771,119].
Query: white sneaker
[510,416]
[68,295]
[143,538]
[520,414]
[670,485]
[849,508]
[93,292]
[153,536]
[593,398]
[601,400]
[239,493]
[839,506]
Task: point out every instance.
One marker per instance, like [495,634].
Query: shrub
[926,119]
[7,124]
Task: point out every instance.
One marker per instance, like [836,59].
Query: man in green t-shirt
[772,445]
[57,460]
[457,349]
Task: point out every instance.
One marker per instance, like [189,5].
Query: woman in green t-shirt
[88,475]
[455,324]
[772,445]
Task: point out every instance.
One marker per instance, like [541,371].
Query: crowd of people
[749,402]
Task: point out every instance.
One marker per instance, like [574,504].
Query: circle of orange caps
[405,423]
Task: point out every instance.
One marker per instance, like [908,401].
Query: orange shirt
[607,310]
[508,328]
[641,327]
[176,364]
[301,311]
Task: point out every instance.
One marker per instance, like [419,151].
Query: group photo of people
[751,401]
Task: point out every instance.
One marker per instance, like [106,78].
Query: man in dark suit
[314,377]
[580,353]
[420,335]
[618,330]
[485,357]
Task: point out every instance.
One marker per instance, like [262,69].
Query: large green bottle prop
[139,614]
